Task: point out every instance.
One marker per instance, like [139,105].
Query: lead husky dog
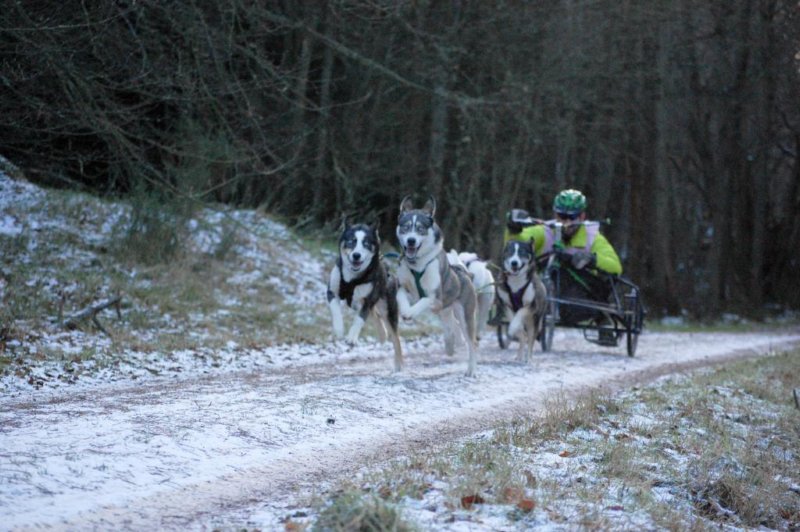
[522,294]
[360,280]
[428,280]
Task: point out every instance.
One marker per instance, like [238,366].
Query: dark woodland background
[680,120]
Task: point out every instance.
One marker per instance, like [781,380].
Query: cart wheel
[633,341]
[633,321]
[502,335]
[548,326]
[546,335]
[550,317]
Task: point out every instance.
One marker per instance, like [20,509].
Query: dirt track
[198,451]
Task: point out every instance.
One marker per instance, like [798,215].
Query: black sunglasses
[566,216]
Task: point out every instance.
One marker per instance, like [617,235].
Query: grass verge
[716,449]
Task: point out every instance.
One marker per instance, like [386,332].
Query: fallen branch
[92,312]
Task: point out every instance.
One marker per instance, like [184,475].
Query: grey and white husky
[429,283]
[360,280]
[522,294]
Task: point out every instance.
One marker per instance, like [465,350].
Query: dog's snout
[514,264]
[411,241]
[356,256]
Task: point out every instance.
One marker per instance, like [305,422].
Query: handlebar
[522,218]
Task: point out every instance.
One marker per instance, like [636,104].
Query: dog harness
[516,297]
[418,276]
[346,288]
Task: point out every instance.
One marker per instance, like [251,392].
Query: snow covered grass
[201,284]
[718,449]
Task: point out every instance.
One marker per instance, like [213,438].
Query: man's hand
[515,227]
[561,253]
[583,259]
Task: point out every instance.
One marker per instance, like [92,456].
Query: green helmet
[569,202]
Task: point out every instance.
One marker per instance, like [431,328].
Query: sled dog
[429,283]
[483,281]
[360,280]
[522,295]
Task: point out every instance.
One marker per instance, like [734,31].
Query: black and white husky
[522,294]
[360,280]
[429,283]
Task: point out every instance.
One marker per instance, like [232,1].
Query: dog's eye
[405,228]
[350,243]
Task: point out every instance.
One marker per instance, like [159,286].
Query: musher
[583,253]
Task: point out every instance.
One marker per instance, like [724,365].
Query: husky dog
[522,294]
[360,280]
[483,281]
[429,281]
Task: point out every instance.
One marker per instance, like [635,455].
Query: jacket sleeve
[607,259]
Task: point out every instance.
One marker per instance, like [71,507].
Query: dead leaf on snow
[469,500]
[526,505]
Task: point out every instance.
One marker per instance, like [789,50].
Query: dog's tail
[454,259]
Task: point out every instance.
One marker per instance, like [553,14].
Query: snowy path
[187,453]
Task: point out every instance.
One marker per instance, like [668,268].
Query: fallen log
[91,312]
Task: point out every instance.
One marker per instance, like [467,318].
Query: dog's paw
[351,340]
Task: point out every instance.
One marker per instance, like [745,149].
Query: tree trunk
[322,179]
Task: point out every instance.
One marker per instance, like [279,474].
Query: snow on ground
[198,438]
[252,445]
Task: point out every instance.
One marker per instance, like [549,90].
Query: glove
[563,257]
[583,259]
[561,253]
[515,227]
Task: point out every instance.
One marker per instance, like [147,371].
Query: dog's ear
[406,204]
[430,206]
[375,228]
[344,225]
